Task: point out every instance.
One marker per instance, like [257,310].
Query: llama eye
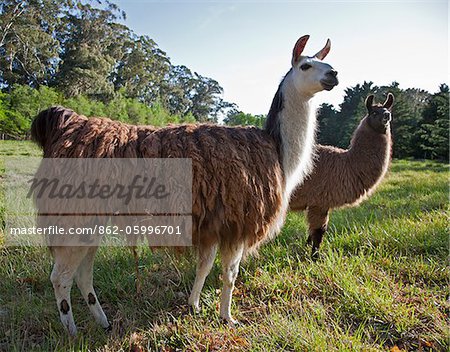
[304,67]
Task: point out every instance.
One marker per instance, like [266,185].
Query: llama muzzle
[330,81]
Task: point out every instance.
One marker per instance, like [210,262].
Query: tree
[176,89]
[328,124]
[352,110]
[28,47]
[35,33]
[185,93]
[434,132]
[205,97]
[28,102]
[89,40]
[405,121]
[336,126]
[238,118]
[12,122]
[142,69]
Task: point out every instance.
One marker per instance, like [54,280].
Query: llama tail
[47,123]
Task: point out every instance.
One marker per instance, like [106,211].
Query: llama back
[62,133]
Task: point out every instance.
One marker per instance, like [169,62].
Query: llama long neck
[369,154]
[297,127]
[292,124]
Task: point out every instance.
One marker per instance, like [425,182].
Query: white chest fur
[297,125]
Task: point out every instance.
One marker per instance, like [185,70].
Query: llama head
[310,73]
[379,115]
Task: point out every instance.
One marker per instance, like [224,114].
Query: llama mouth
[329,85]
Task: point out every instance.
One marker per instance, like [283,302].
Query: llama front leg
[231,257]
[206,256]
[84,280]
[67,261]
[318,223]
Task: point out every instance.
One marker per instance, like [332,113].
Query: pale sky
[246,45]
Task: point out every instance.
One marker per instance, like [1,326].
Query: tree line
[77,53]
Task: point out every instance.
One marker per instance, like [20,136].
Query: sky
[247,45]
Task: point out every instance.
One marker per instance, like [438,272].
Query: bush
[23,103]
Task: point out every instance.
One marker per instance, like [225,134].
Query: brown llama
[242,176]
[346,177]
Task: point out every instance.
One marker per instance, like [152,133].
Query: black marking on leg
[64,307]
[91,298]
[316,237]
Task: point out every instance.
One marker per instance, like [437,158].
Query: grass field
[380,284]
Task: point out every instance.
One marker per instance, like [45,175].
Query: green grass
[381,281]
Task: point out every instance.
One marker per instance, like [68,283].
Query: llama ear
[369,102]
[324,52]
[389,101]
[298,48]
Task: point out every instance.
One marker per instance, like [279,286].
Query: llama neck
[291,125]
[369,154]
[297,132]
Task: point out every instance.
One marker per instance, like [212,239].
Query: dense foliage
[22,103]
[236,118]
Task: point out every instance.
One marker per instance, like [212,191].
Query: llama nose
[332,73]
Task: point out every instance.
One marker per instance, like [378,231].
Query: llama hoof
[108,329]
[69,324]
[194,303]
[72,332]
[230,322]
[194,309]
[314,255]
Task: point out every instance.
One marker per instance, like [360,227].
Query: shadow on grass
[29,319]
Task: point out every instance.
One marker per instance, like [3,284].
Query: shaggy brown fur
[346,177]
[248,185]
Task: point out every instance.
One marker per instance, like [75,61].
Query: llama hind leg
[206,256]
[231,258]
[67,261]
[318,223]
[84,280]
